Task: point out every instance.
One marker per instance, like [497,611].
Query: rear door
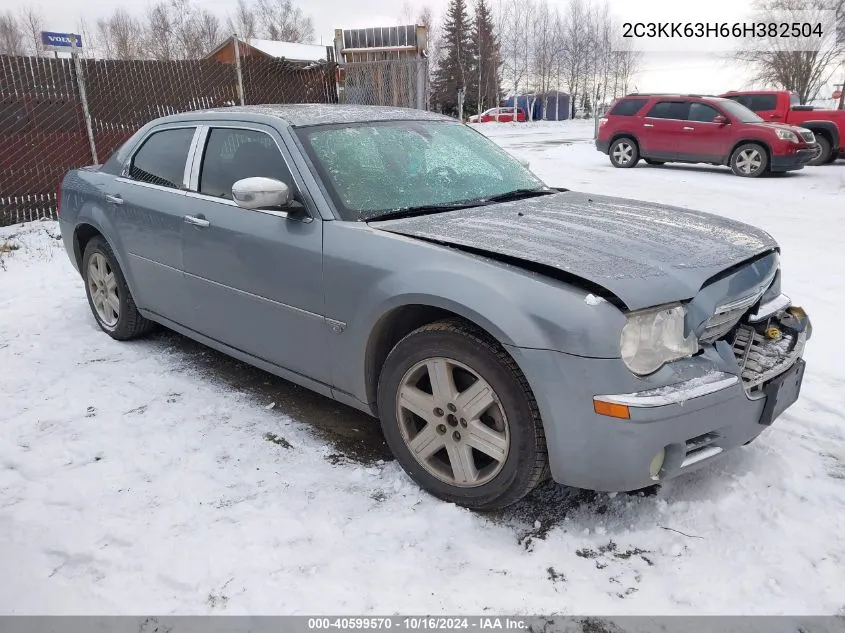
[254,277]
[662,129]
[703,139]
[147,202]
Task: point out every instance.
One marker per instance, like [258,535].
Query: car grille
[726,317]
[760,358]
[808,136]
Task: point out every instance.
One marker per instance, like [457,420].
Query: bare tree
[244,23]
[11,36]
[778,62]
[626,63]
[121,36]
[545,46]
[516,42]
[162,24]
[575,49]
[282,20]
[32,23]
[202,34]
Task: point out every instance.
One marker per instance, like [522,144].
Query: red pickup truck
[782,106]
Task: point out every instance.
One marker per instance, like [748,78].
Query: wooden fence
[43,129]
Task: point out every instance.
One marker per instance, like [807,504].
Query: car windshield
[739,111]
[373,170]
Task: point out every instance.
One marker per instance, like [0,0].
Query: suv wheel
[624,153]
[823,152]
[460,418]
[108,295]
[749,160]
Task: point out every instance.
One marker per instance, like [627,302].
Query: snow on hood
[646,254]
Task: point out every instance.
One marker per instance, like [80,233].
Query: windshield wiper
[519,194]
[409,212]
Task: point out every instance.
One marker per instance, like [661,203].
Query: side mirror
[261,193]
[719,119]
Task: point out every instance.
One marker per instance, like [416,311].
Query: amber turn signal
[612,409]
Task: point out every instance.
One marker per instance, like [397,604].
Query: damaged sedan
[503,331]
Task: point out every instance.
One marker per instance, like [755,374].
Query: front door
[147,204]
[254,276]
[662,129]
[703,139]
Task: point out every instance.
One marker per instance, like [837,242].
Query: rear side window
[669,110]
[233,154]
[758,103]
[161,159]
[627,107]
[702,113]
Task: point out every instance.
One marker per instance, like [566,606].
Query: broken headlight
[651,338]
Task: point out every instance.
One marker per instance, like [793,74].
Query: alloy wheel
[452,422]
[623,153]
[102,286]
[749,161]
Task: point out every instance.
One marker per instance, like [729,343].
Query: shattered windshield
[377,169]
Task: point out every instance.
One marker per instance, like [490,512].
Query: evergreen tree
[456,61]
[488,60]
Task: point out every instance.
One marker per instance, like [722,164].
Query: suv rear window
[628,107]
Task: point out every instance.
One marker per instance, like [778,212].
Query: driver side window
[233,154]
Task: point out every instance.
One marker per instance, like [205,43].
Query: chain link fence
[399,82]
[59,114]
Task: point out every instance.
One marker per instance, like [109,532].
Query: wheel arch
[827,129]
[83,233]
[622,134]
[400,321]
[755,141]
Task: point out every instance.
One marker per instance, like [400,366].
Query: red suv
[698,129]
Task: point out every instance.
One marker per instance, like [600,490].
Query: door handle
[648,125]
[200,222]
[689,128]
[113,199]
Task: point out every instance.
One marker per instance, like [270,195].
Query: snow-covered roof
[289,50]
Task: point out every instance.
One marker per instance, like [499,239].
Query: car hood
[779,126]
[645,254]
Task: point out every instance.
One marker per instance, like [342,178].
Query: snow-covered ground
[154,477]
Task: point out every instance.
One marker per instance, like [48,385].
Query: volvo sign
[67,42]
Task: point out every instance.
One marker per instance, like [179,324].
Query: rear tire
[624,153]
[108,294]
[460,417]
[749,160]
[824,154]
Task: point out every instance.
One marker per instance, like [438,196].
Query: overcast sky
[664,72]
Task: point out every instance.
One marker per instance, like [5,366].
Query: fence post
[237,47]
[83,99]
[422,76]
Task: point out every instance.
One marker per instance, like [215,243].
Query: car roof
[303,114]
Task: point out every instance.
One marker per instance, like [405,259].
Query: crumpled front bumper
[687,413]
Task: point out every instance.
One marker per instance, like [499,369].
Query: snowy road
[153,477]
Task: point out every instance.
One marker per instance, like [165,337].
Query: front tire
[460,417]
[749,160]
[825,151]
[108,294]
[624,153]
